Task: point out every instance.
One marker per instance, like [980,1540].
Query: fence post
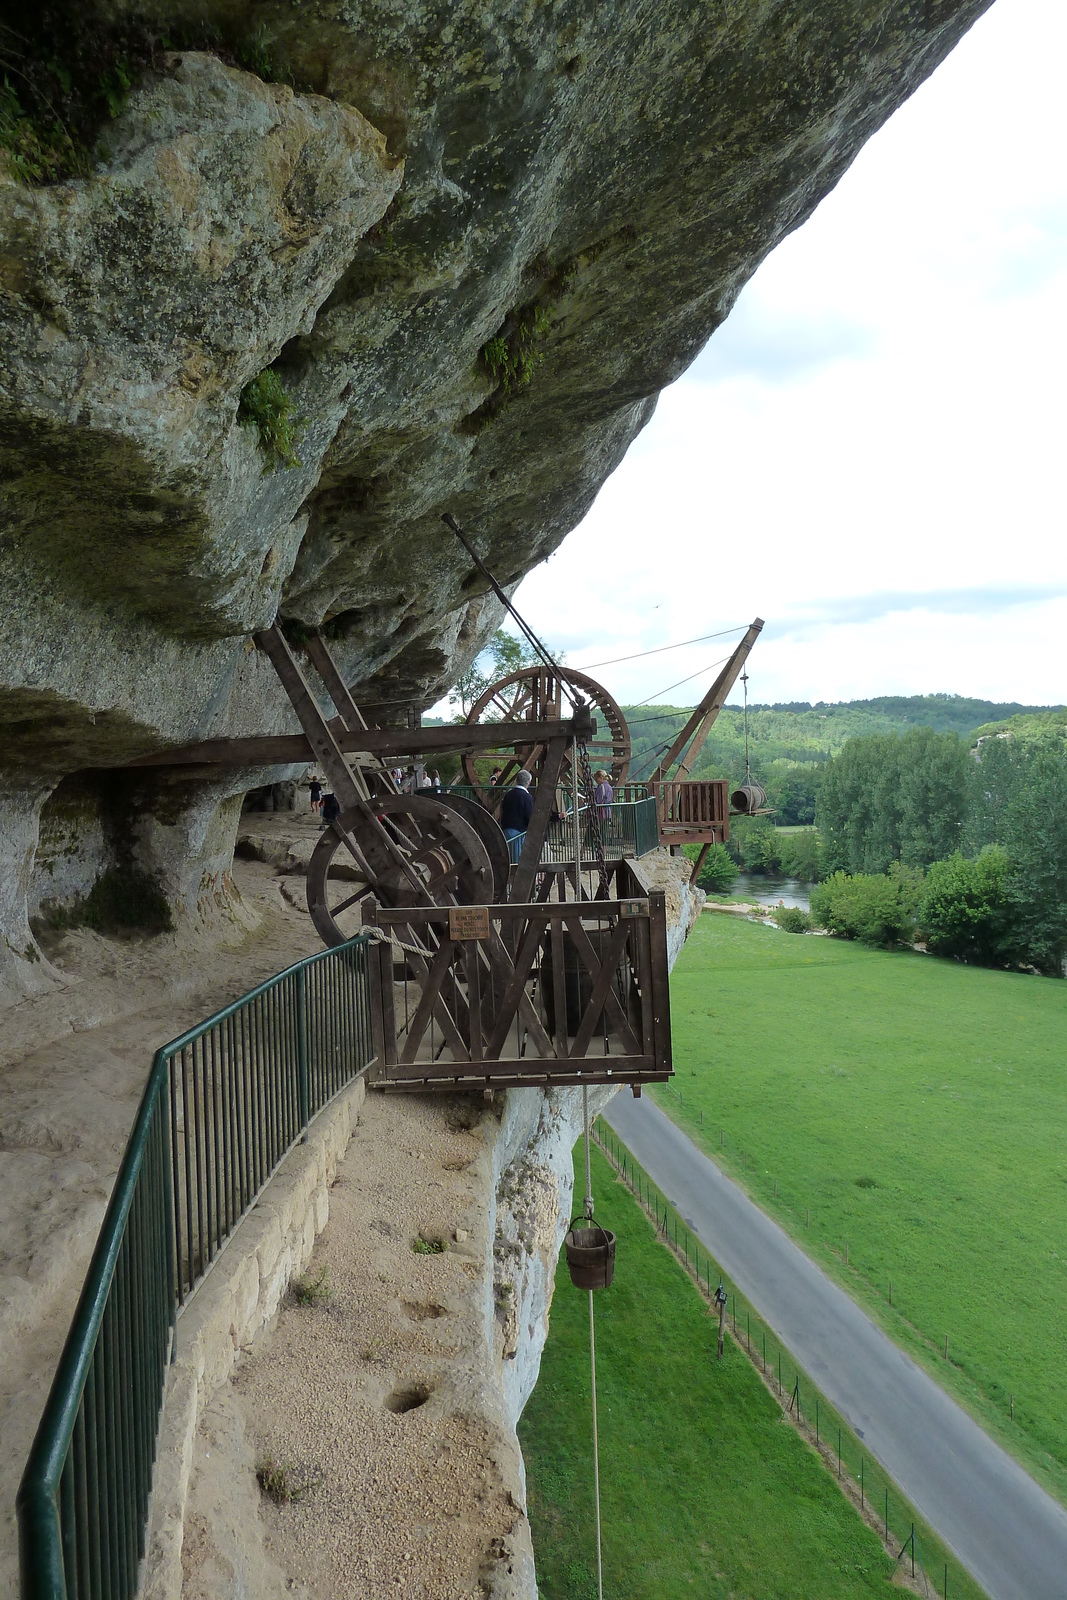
[302,1050]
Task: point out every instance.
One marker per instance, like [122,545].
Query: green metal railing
[223,1105]
[628,829]
[485,794]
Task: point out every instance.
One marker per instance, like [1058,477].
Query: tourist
[603,795]
[331,810]
[495,777]
[316,794]
[435,780]
[516,808]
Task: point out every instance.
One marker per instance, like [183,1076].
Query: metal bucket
[749,798]
[590,1254]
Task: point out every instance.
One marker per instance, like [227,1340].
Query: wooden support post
[327,751]
[347,710]
[544,799]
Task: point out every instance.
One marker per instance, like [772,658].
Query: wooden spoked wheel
[537,695]
[444,851]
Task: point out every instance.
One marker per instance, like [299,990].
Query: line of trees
[966,846]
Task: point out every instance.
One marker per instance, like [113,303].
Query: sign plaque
[468,922]
[633,908]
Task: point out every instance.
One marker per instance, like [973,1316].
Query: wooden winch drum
[749,798]
[590,1254]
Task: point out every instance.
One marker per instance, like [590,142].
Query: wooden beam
[544,800]
[277,750]
[696,729]
[350,790]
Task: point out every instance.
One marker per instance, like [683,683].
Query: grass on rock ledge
[705,1489]
[913,1109]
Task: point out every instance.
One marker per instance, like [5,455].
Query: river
[766,890]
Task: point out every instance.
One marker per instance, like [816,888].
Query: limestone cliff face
[430,207]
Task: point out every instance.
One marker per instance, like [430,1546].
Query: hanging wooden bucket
[590,1254]
[749,798]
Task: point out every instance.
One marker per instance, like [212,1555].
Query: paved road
[1003,1527]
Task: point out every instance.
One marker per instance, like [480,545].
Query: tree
[502,656]
[718,873]
[966,908]
[1018,795]
[793,794]
[893,797]
[876,908]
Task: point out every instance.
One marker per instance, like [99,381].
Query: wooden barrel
[749,798]
[590,1254]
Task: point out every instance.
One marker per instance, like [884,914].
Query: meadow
[902,1117]
[705,1490]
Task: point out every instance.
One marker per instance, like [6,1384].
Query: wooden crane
[697,811]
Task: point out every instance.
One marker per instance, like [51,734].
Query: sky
[869,453]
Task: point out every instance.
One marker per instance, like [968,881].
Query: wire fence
[221,1107]
[920,1556]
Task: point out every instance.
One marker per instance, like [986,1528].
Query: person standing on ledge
[331,810]
[516,808]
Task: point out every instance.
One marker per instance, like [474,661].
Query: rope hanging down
[592,1351]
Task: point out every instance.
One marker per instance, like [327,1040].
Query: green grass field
[706,1491]
[916,1110]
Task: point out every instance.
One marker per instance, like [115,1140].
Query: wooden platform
[693,810]
[566,992]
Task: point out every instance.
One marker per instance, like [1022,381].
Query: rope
[698,674]
[748,769]
[381,936]
[592,1352]
[659,650]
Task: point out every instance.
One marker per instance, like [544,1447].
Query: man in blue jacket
[516,808]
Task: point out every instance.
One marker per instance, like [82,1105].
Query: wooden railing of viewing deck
[693,811]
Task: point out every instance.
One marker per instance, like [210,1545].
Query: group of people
[327,805]
[516,808]
[412,780]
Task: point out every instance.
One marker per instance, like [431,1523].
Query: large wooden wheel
[442,850]
[537,695]
[491,834]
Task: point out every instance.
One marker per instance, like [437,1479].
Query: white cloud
[869,452]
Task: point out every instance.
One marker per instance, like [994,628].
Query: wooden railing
[557,993]
[693,811]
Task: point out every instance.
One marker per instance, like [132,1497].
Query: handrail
[630,828]
[223,1104]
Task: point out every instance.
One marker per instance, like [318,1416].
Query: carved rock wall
[423,210]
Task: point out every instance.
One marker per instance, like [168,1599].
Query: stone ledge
[238,1298]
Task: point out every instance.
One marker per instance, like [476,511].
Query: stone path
[66,1107]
